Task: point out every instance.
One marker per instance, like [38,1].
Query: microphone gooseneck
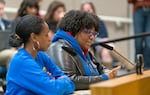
[127,64]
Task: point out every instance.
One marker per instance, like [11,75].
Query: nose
[92,37]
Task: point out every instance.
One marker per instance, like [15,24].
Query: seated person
[4,23]
[53,15]
[5,56]
[70,49]
[105,55]
[31,71]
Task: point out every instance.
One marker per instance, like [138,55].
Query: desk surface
[82,92]
[122,80]
[132,84]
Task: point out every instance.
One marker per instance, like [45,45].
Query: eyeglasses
[88,31]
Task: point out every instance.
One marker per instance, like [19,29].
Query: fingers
[61,77]
[112,74]
[115,70]
[50,75]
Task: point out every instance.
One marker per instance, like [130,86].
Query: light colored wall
[117,8]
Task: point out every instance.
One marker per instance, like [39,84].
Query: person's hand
[50,75]
[112,74]
[61,77]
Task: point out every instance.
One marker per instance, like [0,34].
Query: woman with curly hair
[70,49]
[103,53]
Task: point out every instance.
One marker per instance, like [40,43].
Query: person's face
[40,3]
[43,38]
[50,34]
[85,37]
[31,11]
[1,9]
[87,7]
[59,13]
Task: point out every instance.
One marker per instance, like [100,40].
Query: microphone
[140,64]
[127,64]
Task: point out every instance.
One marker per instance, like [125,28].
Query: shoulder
[44,58]
[59,44]
[20,61]
[61,47]
[21,56]
[7,21]
[42,54]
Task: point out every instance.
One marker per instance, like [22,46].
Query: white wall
[118,8]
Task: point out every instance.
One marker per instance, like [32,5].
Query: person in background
[27,7]
[141,22]
[40,5]
[5,57]
[4,24]
[70,49]
[105,54]
[31,70]
[53,15]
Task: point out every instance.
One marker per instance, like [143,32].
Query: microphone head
[106,46]
[140,64]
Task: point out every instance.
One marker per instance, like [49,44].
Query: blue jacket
[27,77]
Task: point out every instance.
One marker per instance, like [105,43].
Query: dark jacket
[7,24]
[14,24]
[68,60]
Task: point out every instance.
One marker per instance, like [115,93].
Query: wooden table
[127,85]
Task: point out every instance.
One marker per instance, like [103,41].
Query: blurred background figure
[53,15]
[27,7]
[40,5]
[5,57]
[5,26]
[141,21]
[104,54]
[4,23]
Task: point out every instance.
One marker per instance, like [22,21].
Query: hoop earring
[36,45]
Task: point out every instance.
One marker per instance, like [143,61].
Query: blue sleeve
[103,30]
[32,77]
[104,76]
[51,66]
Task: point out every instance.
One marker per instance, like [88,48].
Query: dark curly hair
[75,20]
